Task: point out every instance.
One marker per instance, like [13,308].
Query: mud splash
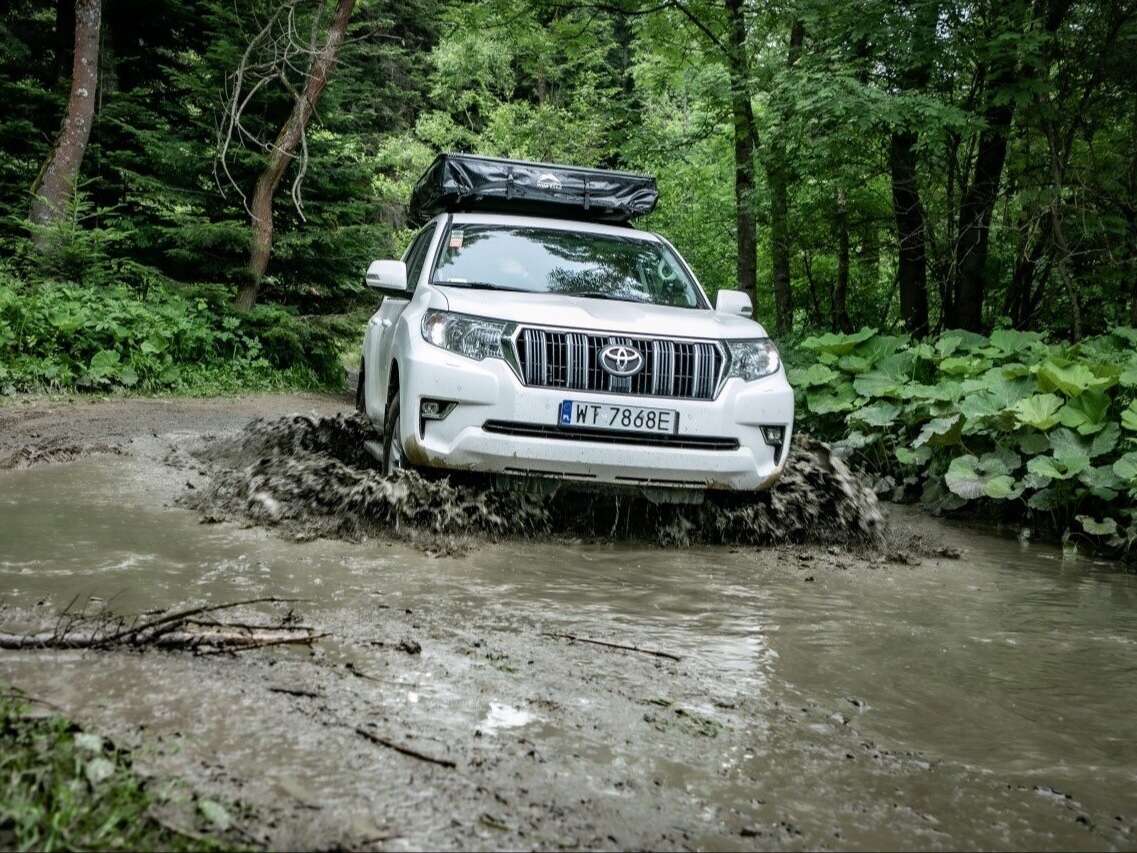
[311,477]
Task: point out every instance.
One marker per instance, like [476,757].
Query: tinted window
[547,260]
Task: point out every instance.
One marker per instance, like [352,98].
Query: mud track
[310,476]
[507,672]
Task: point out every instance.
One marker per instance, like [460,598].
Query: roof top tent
[466,182]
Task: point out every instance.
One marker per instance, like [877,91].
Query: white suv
[567,349]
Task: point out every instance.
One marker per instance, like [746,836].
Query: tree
[55,184]
[778,175]
[745,143]
[291,143]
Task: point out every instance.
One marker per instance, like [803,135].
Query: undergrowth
[1012,426]
[64,789]
[57,336]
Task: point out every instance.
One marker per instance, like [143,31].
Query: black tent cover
[457,182]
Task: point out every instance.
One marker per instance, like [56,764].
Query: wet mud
[310,476]
[560,684]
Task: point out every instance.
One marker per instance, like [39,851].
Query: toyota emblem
[620,360]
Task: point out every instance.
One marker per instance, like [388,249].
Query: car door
[380,337]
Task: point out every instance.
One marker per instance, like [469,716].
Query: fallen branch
[576,639]
[405,750]
[181,630]
[291,691]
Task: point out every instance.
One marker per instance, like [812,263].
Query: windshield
[550,260]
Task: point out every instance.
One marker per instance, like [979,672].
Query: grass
[64,789]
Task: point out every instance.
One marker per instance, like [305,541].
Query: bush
[1011,425]
[62,336]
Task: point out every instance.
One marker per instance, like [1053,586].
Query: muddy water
[820,699]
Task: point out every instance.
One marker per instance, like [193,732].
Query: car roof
[551,223]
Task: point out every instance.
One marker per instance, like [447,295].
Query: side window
[416,255]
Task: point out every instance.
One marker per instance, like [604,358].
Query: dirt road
[802,696]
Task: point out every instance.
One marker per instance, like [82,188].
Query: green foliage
[63,337]
[1011,425]
[64,789]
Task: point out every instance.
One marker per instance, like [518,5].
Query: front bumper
[489,391]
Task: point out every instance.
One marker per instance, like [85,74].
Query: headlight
[473,337]
[753,359]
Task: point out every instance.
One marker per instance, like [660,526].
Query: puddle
[821,698]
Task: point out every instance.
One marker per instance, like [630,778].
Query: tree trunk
[745,137]
[778,176]
[975,211]
[912,266]
[1019,304]
[284,151]
[978,202]
[841,320]
[55,184]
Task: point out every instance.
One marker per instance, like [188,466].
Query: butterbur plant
[1011,424]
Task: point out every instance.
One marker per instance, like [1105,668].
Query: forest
[933,203]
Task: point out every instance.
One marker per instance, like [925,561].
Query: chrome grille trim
[684,368]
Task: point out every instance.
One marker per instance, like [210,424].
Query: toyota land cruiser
[530,331]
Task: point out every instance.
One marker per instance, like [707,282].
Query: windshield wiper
[479,285]
[599,294]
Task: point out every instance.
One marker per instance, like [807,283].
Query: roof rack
[467,182]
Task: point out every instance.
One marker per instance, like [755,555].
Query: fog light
[775,436]
[435,410]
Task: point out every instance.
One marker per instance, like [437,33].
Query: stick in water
[574,638]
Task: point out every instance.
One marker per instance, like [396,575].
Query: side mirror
[389,276]
[734,302]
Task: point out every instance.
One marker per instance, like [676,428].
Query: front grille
[672,368]
[691,442]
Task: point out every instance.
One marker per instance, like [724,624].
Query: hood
[575,312]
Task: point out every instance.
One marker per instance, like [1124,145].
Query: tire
[394,457]
[360,398]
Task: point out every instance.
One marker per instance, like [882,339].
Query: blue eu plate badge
[566,413]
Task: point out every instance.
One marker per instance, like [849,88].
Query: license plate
[575,413]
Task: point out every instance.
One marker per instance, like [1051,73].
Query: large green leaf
[940,432]
[1039,411]
[876,384]
[1101,481]
[917,457]
[1105,441]
[854,364]
[837,344]
[944,391]
[1106,527]
[1012,341]
[1087,412]
[1126,468]
[815,374]
[971,477]
[1069,378]
[1058,468]
[1129,416]
[877,414]
[964,366]
[104,364]
[842,398]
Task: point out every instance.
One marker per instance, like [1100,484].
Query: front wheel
[394,457]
